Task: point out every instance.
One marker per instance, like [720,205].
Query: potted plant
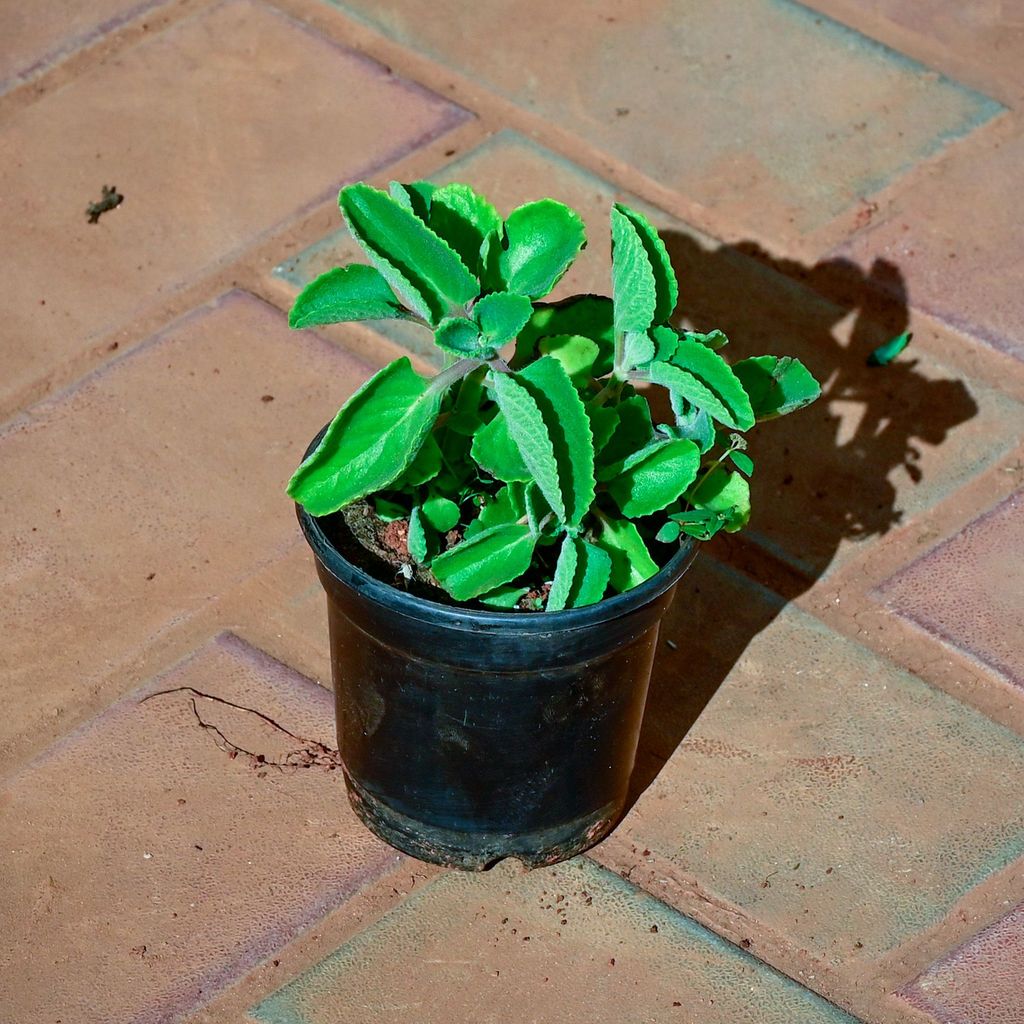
[499,542]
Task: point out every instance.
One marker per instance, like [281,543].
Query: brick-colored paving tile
[962,258]
[113,527]
[215,131]
[145,869]
[691,94]
[573,943]
[982,982]
[985,40]
[819,773]
[889,444]
[34,36]
[970,590]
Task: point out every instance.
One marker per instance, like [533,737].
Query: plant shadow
[824,476]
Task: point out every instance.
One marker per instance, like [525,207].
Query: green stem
[450,374]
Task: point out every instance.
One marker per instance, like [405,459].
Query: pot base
[478,851]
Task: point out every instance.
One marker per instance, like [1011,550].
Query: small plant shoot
[530,472]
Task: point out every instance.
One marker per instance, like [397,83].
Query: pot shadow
[824,476]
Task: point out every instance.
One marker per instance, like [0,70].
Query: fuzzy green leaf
[776,386]
[587,315]
[424,467]
[631,561]
[634,292]
[668,533]
[529,432]
[371,441]
[692,422]
[576,354]
[569,430]
[718,377]
[495,452]
[743,462]
[565,574]
[666,288]
[501,316]
[485,561]
[665,339]
[459,336]
[593,570]
[415,197]
[889,350]
[633,431]
[417,540]
[463,219]
[637,349]
[507,506]
[396,240]
[507,596]
[442,513]
[603,421]
[713,340]
[726,493]
[355,292]
[694,390]
[653,478]
[543,239]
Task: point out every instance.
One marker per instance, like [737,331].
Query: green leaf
[603,421]
[396,240]
[485,561]
[501,316]
[565,574]
[576,354]
[569,430]
[507,506]
[537,508]
[695,391]
[668,533]
[631,561]
[442,513]
[417,539]
[634,292]
[425,466]
[527,429]
[637,349]
[724,492]
[370,442]
[692,422]
[543,239]
[466,418]
[653,478]
[587,315]
[593,570]
[459,336]
[887,352]
[665,339]
[744,463]
[666,288]
[702,524]
[415,197]
[776,386]
[495,452]
[507,596]
[634,430]
[713,340]
[345,293]
[463,219]
[718,377]
[389,511]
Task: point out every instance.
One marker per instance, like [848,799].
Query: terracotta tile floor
[829,813]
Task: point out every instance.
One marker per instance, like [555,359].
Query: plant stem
[450,374]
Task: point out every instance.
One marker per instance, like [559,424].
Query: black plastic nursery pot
[468,735]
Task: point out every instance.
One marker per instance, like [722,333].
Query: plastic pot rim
[464,617]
